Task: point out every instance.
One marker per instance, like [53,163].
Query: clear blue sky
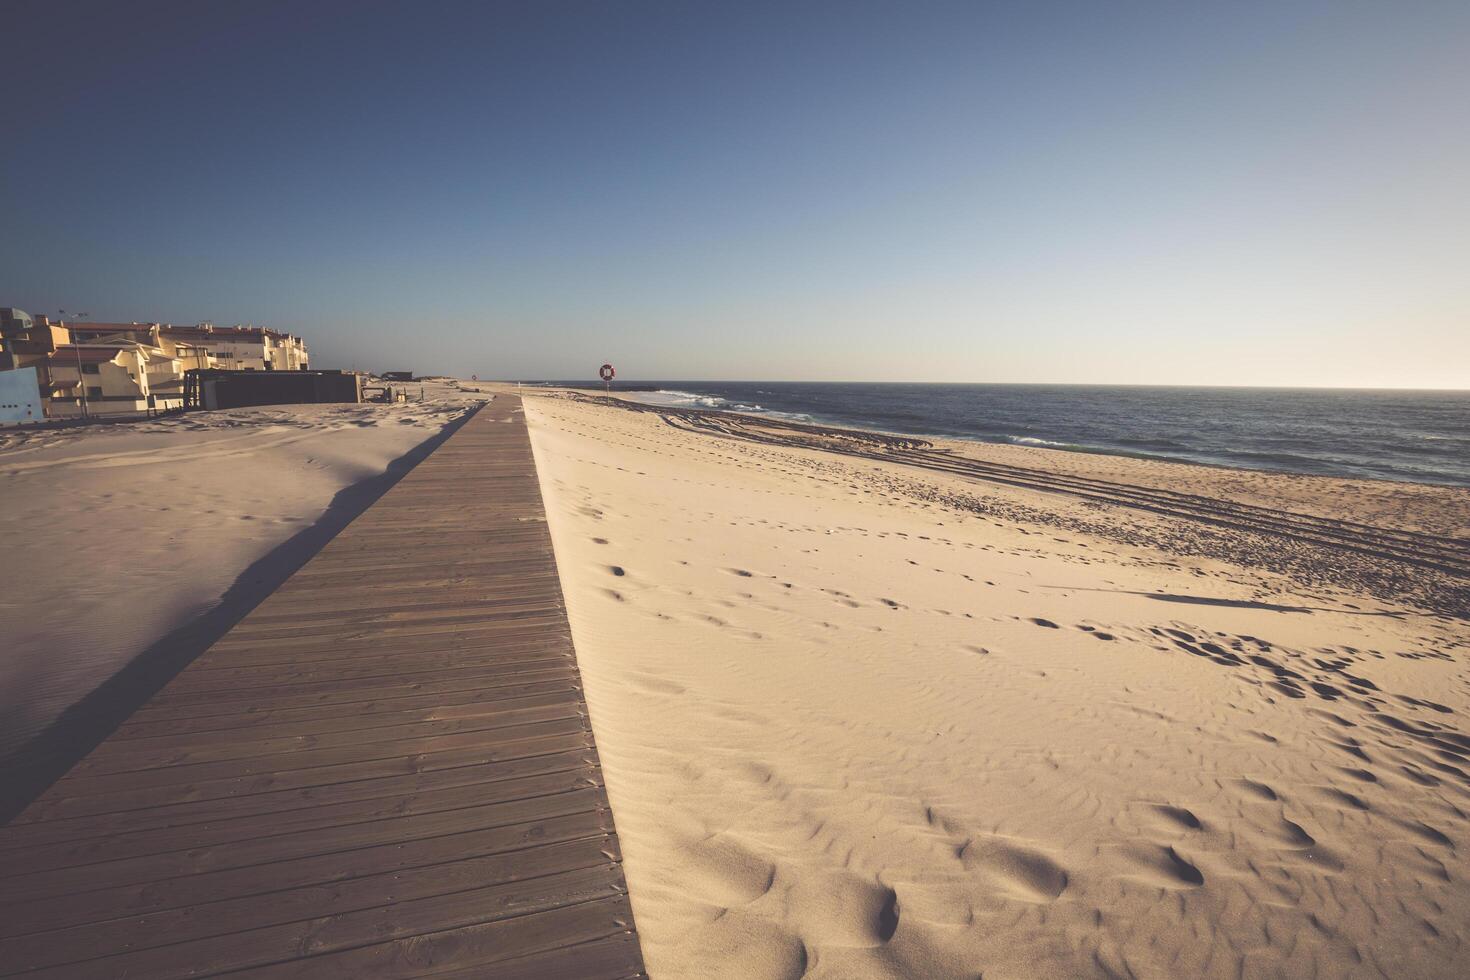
[1251,193]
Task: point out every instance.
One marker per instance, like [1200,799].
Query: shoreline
[1434,518]
[1203,455]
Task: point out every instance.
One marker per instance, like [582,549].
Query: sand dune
[872,708]
[132,545]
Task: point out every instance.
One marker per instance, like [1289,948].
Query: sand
[868,708]
[129,547]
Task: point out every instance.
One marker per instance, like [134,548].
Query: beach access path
[385,769]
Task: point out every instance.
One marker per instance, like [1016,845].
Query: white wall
[20,396]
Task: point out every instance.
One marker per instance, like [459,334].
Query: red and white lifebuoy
[606,372]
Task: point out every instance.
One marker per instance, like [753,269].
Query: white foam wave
[673,398]
[681,399]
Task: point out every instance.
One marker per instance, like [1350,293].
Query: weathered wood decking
[386,769]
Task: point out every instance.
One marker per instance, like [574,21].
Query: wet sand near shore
[1400,540]
[878,707]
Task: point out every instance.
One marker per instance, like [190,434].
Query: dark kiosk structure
[211,388]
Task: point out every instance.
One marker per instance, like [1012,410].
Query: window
[91,369]
[94,391]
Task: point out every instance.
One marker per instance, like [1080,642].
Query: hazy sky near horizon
[1248,193]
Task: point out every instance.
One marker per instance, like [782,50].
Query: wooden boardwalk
[385,770]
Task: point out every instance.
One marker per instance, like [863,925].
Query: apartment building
[27,341]
[86,379]
[174,342]
[245,348]
[98,368]
[111,368]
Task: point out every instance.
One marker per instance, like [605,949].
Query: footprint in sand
[1017,872]
[1291,834]
[839,908]
[1259,790]
[653,684]
[1170,817]
[1339,798]
[1426,832]
[724,872]
[1159,866]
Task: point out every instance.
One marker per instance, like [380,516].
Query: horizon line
[1016,384]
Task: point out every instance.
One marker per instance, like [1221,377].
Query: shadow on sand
[31,769]
[1200,600]
[1197,600]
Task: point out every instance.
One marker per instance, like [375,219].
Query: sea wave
[1033,441]
[690,399]
[677,398]
[1413,436]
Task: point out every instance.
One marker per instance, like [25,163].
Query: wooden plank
[198,891]
[283,910]
[274,676]
[385,769]
[519,740]
[310,941]
[239,827]
[243,799]
[294,695]
[473,947]
[83,797]
[328,718]
[182,749]
[390,697]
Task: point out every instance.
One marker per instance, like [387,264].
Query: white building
[244,348]
[103,379]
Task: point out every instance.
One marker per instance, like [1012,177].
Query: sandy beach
[966,491]
[131,546]
[872,707]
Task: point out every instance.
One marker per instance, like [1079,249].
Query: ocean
[1421,436]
